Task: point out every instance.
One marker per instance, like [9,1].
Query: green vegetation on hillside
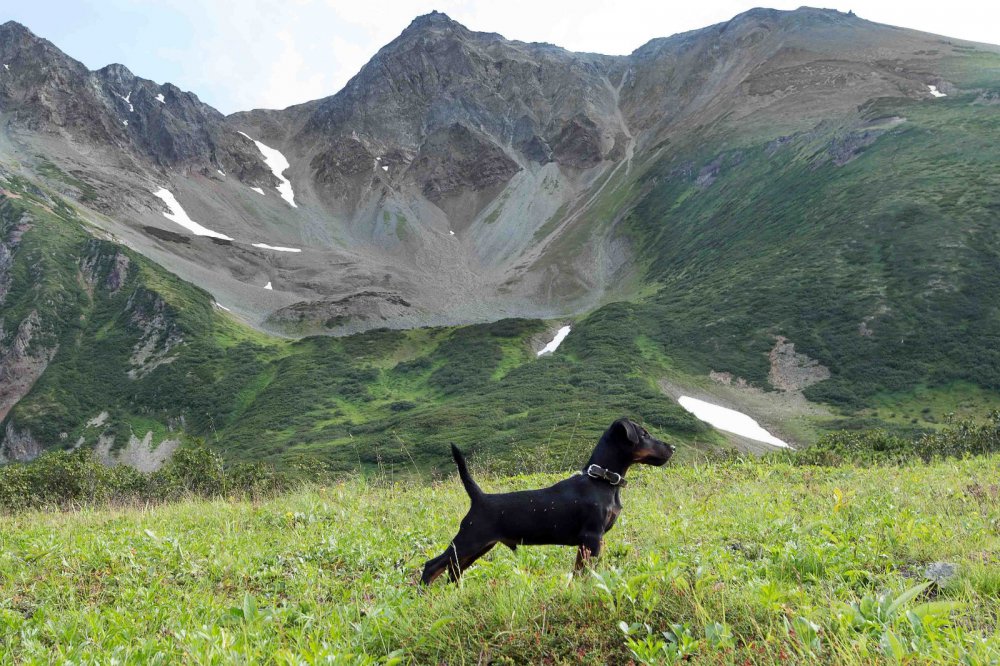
[964,438]
[61,479]
[132,340]
[870,244]
[873,246]
[108,318]
[751,562]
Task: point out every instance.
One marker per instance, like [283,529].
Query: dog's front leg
[589,549]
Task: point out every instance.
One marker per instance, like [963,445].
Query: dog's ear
[625,428]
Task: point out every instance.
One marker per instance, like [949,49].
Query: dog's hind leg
[465,561]
[434,568]
[457,557]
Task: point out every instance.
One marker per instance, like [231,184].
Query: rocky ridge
[458,171]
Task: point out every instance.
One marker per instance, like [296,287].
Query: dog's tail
[471,487]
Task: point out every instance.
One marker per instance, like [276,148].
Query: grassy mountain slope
[872,245]
[108,319]
[862,243]
[121,335]
[756,562]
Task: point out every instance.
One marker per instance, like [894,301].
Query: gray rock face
[21,363]
[158,334]
[8,246]
[352,313]
[105,270]
[792,371]
[18,446]
[455,159]
[44,90]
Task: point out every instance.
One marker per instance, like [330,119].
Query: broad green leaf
[906,597]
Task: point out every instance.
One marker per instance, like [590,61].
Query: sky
[240,55]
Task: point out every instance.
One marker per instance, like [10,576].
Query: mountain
[792,212]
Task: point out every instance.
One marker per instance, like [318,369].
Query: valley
[789,214]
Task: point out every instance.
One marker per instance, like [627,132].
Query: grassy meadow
[872,245]
[739,562]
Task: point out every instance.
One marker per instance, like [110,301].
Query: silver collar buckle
[598,472]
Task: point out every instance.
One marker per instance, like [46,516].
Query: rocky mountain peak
[437,28]
[18,43]
[13,29]
[117,73]
[435,19]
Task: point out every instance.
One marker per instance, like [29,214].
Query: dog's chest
[612,515]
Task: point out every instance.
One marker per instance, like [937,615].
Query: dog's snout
[656,452]
[670,449]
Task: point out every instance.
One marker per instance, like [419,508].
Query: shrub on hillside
[199,471]
[856,446]
[966,438]
[66,478]
[194,470]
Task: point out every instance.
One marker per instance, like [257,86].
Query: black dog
[574,512]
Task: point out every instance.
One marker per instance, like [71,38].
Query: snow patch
[555,342]
[221,306]
[160,99]
[936,92]
[385,168]
[276,248]
[178,215]
[268,286]
[125,123]
[126,98]
[257,190]
[6,66]
[451,233]
[730,420]
[278,165]
[221,173]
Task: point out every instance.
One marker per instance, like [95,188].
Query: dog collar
[614,478]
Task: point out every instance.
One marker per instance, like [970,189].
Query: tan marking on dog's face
[650,450]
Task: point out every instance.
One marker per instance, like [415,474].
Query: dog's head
[643,447]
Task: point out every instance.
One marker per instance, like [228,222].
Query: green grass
[550,224]
[402,226]
[933,407]
[743,563]
[497,209]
